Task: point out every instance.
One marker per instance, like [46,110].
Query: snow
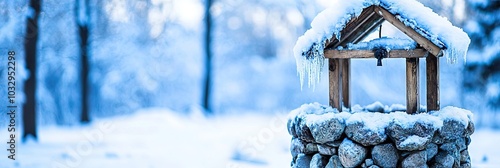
[308,50]
[376,107]
[408,121]
[384,42]
[454,113]
[414,140]
[373,121]
[162,138]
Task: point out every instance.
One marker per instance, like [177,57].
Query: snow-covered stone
[351,154]
[389,139]
[364,135]
[452,129]
[385,155]
[367,128]
[302,131]
[326,127]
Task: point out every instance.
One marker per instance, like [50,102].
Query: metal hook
[380,53]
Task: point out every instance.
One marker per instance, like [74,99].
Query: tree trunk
[31,39]
[83,30]
[208,58]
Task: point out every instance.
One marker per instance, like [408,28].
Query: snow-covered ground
[162,138]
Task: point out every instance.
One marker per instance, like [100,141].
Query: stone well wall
[323,137]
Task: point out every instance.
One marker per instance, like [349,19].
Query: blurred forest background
[151,53]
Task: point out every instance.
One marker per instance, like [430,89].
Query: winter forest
[202,83]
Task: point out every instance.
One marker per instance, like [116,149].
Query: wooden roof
[368,21]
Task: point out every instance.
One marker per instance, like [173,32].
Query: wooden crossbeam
[431,47]
[345,54]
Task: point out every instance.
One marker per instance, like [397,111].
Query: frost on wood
[308,50]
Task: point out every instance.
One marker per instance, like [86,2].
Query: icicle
[311,64]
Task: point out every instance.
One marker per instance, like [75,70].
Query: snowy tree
[82,13]
[208,57]
[482,73]
[30,47]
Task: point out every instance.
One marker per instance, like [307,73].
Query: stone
[470,129]
[416,159]
[368,162]
[311,148]
[465,165]
[334,143]
[351,154]
[374,166]
[291,127]
[318,161]
[385,155]
[302,130]
[413,143]
[443,160]
[334,162]
[438,139]
[328,130]
[326,150]
[461,144]
[411,138]
[363,135]
[464,156]
[468,141]
[452,129]
[423,129]
[297,147]
[431,150]
[452,150]
[303,161]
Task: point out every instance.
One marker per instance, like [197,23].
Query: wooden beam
[370,28]
[412,91]
[344,54]
[334,79]
[346,78]
[424,42]
[355,28]
[432,71]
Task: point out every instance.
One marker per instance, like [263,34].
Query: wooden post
[412,99]
[432,71]
[346,78]
[334,79]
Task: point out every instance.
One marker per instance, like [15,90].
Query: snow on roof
[308,50]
